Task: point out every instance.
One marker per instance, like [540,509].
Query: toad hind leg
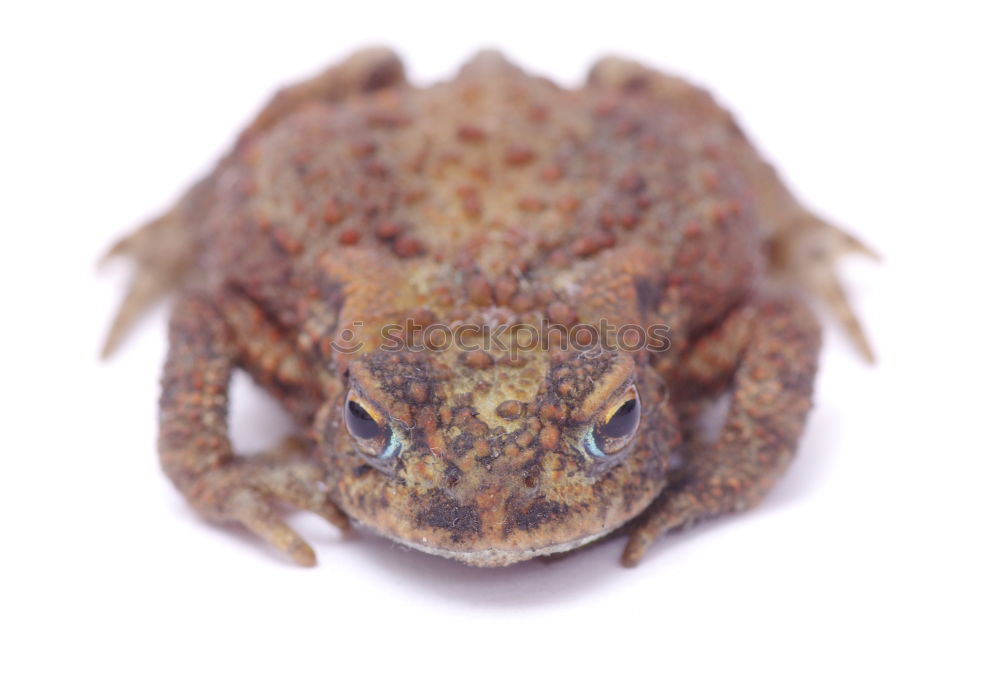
[804,249]
[771,355]
[195,449]
[165,249]
[163,252]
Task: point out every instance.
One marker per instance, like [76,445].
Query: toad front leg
[195,449]
[767,352]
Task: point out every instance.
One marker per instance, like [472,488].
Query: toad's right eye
[360,423]
[369,428]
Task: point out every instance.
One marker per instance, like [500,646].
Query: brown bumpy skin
[194,443]
[355,204]
[768,357]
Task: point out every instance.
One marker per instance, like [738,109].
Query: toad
[495,308]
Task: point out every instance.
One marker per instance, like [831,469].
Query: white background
[875,557]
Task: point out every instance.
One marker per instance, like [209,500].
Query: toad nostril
[530,481]
[452,475]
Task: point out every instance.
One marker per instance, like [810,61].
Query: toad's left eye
[617,427]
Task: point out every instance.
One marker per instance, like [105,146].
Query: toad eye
[616,428]
[360,422]
[369,429]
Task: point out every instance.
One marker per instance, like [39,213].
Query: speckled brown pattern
[354,202]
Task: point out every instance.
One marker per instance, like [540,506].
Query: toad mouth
[495,557]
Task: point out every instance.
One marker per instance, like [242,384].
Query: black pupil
[360,422]
[623,422]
